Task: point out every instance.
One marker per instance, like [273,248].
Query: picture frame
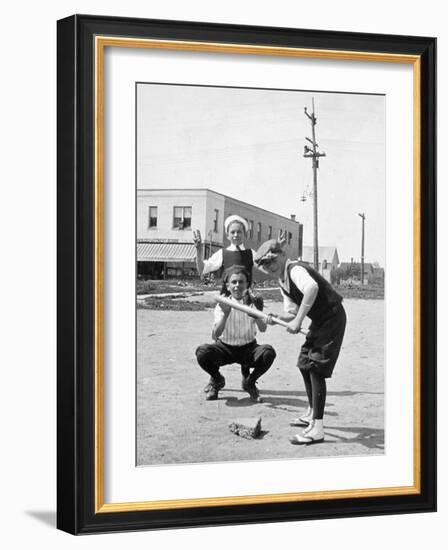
[82,42]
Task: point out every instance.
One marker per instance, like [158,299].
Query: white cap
[238,219]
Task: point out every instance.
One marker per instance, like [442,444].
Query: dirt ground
[175,424]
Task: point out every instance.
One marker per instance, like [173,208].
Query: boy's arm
[289,307]
[254,253]
[199,252]
[309,297]
[285,316]
[205,267]
[222,312]
[261,324]
[258,303]
[199,261]
[309,288]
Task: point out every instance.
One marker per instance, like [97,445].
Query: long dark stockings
[316,391]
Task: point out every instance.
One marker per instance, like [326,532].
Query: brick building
[166,219]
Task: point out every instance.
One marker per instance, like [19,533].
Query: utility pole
[363,217]
[313,153]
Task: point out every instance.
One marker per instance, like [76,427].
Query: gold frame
[101,42]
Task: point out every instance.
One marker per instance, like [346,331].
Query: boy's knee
[303,360]
[201,351]
[269,354]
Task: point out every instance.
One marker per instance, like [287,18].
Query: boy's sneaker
[213,388]
[220,382]
[252,390]
[212,393]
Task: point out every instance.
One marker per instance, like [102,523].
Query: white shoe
[304,420]
[301,439]
[309,427]
[315,431]
[313,434]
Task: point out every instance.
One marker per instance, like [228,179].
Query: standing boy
[307,293]
[236,229]
[236,253]
[234,334]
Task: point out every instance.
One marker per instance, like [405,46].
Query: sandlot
[175,424]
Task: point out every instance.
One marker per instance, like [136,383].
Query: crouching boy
[234,334]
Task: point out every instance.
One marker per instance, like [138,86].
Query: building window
[251,229]
[182,217]
[270,232]
[152,216]
[289,237]
[215,221]
[259,231]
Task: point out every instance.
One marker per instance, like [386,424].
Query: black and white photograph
[147,147]
[260,274]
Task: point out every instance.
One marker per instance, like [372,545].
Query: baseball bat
[250,310]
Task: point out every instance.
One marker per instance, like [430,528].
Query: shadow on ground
[344,393]
[268,400]
[368,437]
[283,400]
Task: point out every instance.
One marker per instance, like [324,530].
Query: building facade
[328,259]
[166,219]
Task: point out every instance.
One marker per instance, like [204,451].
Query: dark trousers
[257,356]
[322,345]
[318,357]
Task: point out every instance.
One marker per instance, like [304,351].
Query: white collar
[232,247]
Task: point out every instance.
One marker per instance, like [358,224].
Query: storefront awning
[166,252]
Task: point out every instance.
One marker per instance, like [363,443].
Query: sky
[249,144]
